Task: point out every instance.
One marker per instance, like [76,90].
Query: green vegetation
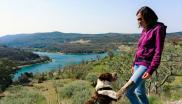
[155,100]
[75,83]
[16,54]
[78,91]
[21,95]
[68,42]
[160,85]
[6,74]
[20,57]
[12,59]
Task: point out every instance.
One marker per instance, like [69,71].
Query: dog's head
[104,93]
[104,85]
[108,77]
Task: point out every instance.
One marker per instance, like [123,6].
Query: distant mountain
[68,42]
[71,42]
[174,34]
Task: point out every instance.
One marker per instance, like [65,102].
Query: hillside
[19,56]
[72,42]
[16,54]
[68,42]
[75,83]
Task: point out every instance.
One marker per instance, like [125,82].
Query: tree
[6,73]
[169,68]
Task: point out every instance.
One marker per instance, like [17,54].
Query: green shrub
[81,96]
[92,77]
[155,100]
[21,95]
[78,91]
[172,92]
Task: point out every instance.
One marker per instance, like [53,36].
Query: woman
[147,57]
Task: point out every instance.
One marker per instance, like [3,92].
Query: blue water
[58,61]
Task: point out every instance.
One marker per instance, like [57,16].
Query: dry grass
[49,90]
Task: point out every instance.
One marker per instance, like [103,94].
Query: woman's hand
[119,94]
[146,75]
[132,69]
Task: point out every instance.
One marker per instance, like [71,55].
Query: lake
[58,61]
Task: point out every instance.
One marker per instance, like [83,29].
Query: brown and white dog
[104,94]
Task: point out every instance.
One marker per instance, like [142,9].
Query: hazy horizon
[76,33]
[83,16]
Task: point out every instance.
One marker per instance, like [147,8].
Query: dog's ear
[106,76]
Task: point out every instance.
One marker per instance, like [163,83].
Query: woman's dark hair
[148,15]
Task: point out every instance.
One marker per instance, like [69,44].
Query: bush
[6,73]
[155,100]
[92,78]
[20,95]
[79,91]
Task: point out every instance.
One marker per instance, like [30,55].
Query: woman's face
[141,21]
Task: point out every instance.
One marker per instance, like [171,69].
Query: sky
[83,16]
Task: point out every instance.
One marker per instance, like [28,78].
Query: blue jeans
[136,94]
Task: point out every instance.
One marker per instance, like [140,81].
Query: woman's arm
[159,44]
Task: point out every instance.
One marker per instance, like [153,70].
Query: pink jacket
[150,47]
